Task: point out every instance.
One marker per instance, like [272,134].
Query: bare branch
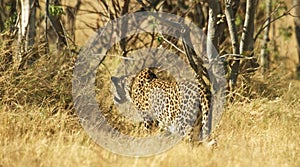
[263,26]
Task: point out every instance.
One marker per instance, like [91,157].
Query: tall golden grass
[39,128]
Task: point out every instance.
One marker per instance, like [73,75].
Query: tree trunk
[27,24]
[235,44]
[212,47]
[247,41]
[212,30]
[1,16]
[265,57]
[25,10]
[31,26]
[235,6]
[212,43]
[27,30]
[297,32]
[57,26]
[124,27]
[71,19]
[199,17]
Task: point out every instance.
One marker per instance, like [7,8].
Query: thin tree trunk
[297,32]
[27,30]
[212,47]
[46,50]
[27,24]
[31,26]
[235,6]
[23,23]
[247,41]
[124,27]
[1,16]
[71,19]
[212,30]
[265,57]
[212,43]
[235,44]
[57,26]
[199,17]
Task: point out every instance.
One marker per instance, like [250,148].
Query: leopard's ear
[152,72]
[152,76]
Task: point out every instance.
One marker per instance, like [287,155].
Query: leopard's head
[129,85]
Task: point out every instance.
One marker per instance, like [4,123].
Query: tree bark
[124,27]
[27,24]
[31,26]
[199,17]
[57,26]
[27,30]
[247,41]
[212,47]
[235,6]
[265,57]
[235,44]
[296,3]
[71,19]
[212,43]
[212,30]
[1,16]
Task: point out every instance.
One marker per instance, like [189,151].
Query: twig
[271,21]
[237,56]
[169,42]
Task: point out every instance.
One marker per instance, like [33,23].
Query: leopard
[180,107]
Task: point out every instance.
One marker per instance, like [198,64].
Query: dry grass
[262,132]
[38,127]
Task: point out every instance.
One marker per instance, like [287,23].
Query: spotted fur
[175,106]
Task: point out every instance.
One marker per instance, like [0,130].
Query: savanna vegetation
[38,124]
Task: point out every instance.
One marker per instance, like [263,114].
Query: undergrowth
[258,128]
